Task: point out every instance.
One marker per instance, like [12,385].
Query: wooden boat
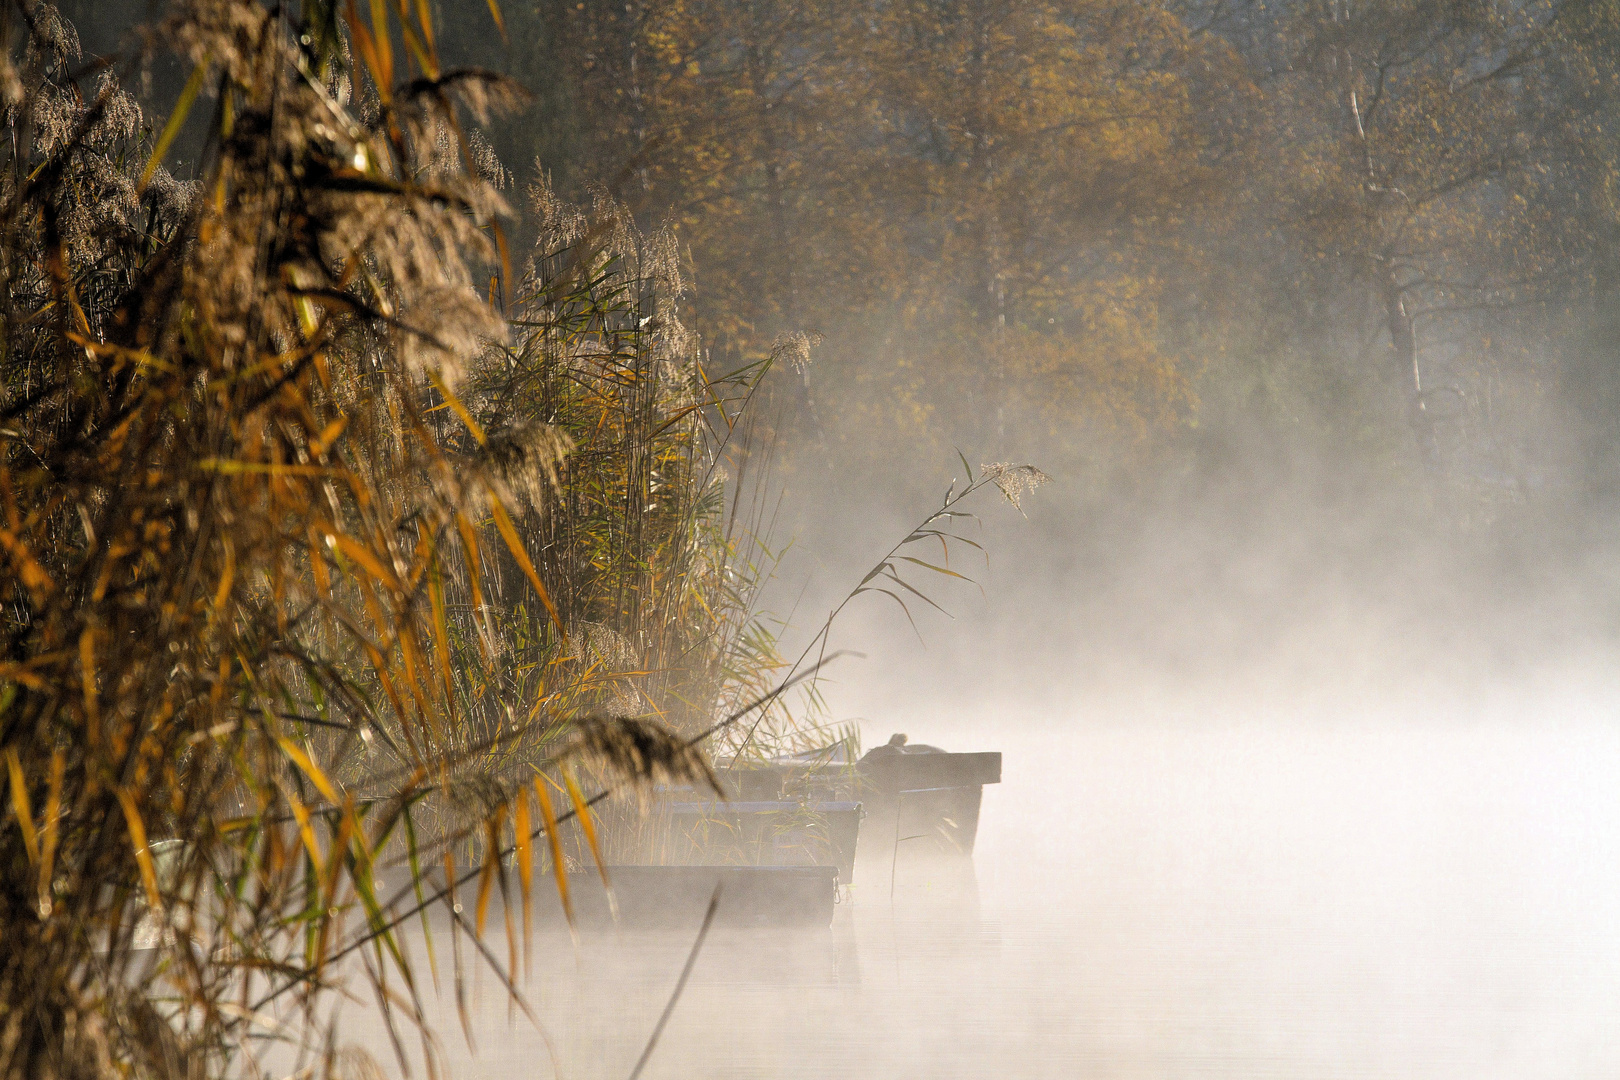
[929,798]
[918,803]
[676,897]
[766,833]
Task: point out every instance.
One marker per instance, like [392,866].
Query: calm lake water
[1389,895]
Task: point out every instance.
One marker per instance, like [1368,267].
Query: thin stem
[680,984]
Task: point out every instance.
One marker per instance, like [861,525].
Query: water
[1173,896]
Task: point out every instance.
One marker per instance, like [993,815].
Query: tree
[1423,165]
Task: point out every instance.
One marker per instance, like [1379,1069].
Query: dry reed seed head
[794,347]
[618,227]
[11,85]
[484,163]
[560,224]
[486,94]
[527,457]
[226,33]
[642,752]
[230,304]
[439,149]
[170,198]
[460,326]
[353,1063]
[1015,481]
[54,116]
[120,113]
[53,40]
[601,644]
[420,256]
[662,266]
[610,653]
[474,797]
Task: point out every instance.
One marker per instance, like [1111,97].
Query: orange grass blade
[309,768]
[143,854]
[549,817]
[87,672]
[492,858]
[417,48]
[47,855]
[424,19]
[306,832]
[20,807]
[469,547]
[368,562]
[582,814]
[317,564]
[375,47]
[34,578]
[227,578]
[525,861]
[441,635]
[458,408]
[514,543]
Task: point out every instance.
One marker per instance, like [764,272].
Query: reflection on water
[1263,899]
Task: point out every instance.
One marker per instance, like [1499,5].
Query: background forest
[1084,230]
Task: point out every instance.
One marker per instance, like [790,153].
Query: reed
[262,595]
[335,547]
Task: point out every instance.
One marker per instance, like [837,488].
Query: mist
[1291,787]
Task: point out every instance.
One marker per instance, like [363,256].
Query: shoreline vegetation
[341,541]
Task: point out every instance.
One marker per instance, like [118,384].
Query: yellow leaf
[177,118]
[460,410]
[87,675]
[441,636]
[33,575]
[492,858]
[227,577]
[317,563]
[362,555]
[549,818]
[583,814]
[310,769]
[233,467]
[143,856]
[514,543]
[20,807]
[525,861]
[329,434]
[469,545]
[306,831]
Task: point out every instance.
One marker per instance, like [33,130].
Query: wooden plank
[910,772]
[766,833]
[675,897]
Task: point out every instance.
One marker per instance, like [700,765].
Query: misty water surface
[1174,891]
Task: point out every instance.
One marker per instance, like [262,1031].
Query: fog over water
[1260,816]
[1167,894]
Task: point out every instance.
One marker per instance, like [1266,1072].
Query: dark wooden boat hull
[762,833]
[676,897]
